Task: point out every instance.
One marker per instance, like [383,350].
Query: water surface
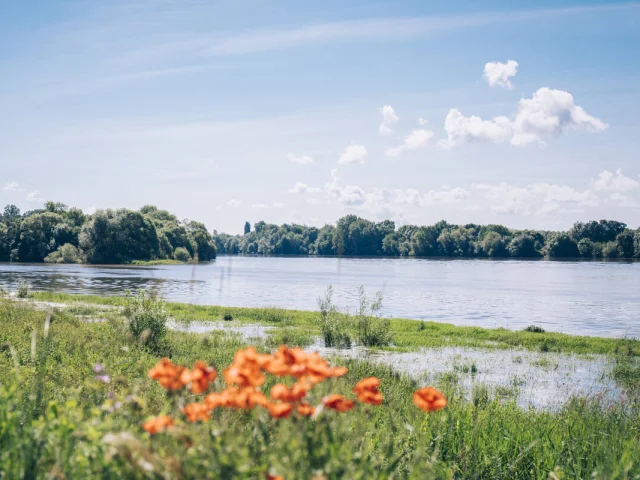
[586,298]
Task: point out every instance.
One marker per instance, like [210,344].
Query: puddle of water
[247,332]
[539,380]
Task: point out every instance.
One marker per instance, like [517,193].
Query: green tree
[247,227]
[561,245]
[625,241]
[41,234]
[523,245]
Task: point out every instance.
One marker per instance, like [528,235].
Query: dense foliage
[59,234]
[357,236]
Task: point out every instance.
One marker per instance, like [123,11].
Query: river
[585,298]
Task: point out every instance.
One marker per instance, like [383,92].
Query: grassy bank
[58,419]
[407,334]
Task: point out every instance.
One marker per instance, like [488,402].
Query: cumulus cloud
[353,154]
[389,118]
[300,187]
[422,122]
[549,113]
[624,200]
[34,197]
[461,129]
[563,193]
[507,199]
[618,182]
[498,74]
[418,138]
[300,159]
[446,195]
[12,187]
[347,195]
[234,203]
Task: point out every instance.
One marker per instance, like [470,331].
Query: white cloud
[347,195]
[278,205]
[90,210]
[563,193]
[609,182]
[549,113]
[461,129]
[12,187]
[353,154]
[507,199]
[313,201]
[624,200]
[446,195]
[234,203]
[422,122]
[499,74]
[34,197]
[389,118]
[300,187]
[418,138]
[260,205]
[546,114]
[301,159]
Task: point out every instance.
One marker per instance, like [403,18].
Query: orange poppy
[338,402]
[199,377]
[429,399]
[367,391]
[306,410]
[274,477]
[167,374]
[280,410]
[196,411]
[157,424]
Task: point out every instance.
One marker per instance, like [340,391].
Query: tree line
[59,234]
[353,235]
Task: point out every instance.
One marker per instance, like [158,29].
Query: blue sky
[521,113]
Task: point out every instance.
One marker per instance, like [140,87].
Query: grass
[407,334]
[166,261]
[57,420]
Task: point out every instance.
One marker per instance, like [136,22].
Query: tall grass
[372,330]
[83,427]
[335,328]
[147,320]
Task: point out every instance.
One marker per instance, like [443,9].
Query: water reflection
[588,298]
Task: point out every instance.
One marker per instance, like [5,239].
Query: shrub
[182,254]
[147,319]
[372,330]
[67,253]
[23,289]
[534,329]
[227,317]
[334,327]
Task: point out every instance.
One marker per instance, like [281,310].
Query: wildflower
[306,410]
[196,411]
[103,378]
[157,424]
[97,368]
[280,410]
[167,374]
[274,477]
[294,394]
[429,399]
[367,391]
[338,402]
[199,377]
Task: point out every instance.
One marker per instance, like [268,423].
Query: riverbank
[408,335]
[49,389]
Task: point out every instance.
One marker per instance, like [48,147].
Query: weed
[335,328]
[23,289]
[372,330]
[147,319]
[227,317]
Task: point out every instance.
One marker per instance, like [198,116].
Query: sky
[225,111]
